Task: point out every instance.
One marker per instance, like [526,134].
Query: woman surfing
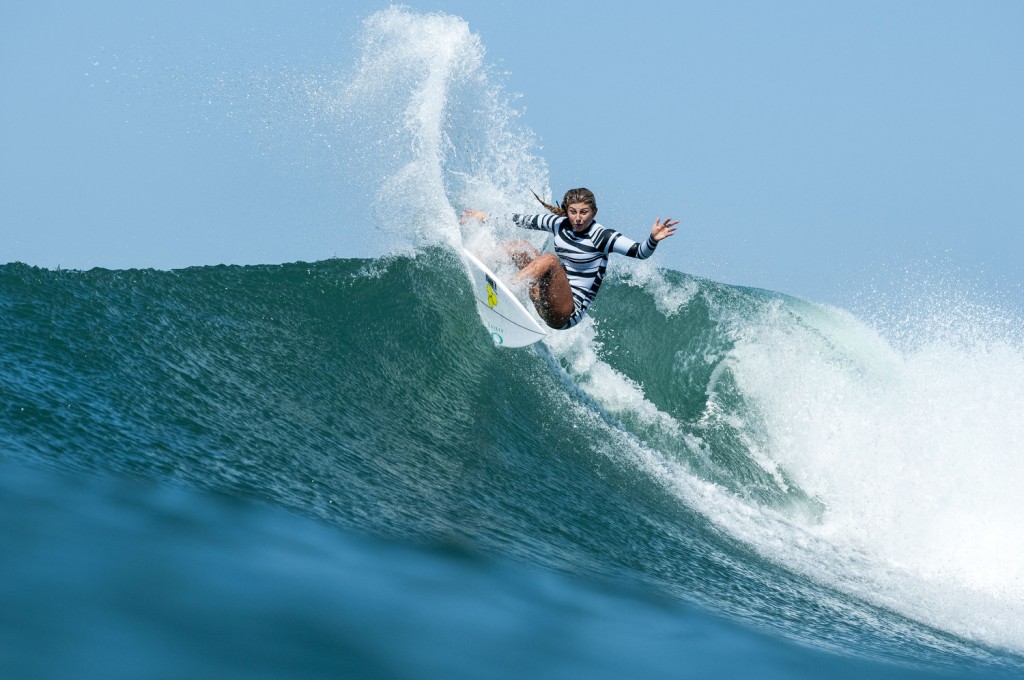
[565,283]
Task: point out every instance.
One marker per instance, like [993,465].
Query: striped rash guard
[585,256]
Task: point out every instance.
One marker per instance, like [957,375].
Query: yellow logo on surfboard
[509,323]
[492,297]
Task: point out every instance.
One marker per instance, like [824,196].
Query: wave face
[696,469]
[733,449]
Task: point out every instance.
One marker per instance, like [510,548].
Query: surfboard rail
[508,321]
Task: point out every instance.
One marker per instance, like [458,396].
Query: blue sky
[813,148]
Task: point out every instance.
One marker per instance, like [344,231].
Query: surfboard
[504,316]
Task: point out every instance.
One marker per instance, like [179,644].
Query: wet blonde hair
[572,196]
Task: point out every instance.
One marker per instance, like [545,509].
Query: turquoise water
[327,469]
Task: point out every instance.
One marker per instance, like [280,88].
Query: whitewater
[327,468]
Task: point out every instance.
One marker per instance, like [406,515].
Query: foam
[668,297]
[432,131]
[915,454]
[619,395]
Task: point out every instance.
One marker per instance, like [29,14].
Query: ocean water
[329,469]
[326,469]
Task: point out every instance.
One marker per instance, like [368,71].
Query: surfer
[565,282]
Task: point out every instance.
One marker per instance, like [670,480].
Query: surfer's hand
[470,214]
[662,230]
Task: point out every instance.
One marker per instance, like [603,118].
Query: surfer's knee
[540,268]
[547,262]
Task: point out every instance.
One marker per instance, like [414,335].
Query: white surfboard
[505,318]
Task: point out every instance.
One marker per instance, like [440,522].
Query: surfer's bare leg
[550,291]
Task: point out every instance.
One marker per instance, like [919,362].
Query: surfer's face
[580,215]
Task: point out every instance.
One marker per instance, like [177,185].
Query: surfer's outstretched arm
[548,223]
[623,245]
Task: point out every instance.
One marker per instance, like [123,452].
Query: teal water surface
[327,470]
